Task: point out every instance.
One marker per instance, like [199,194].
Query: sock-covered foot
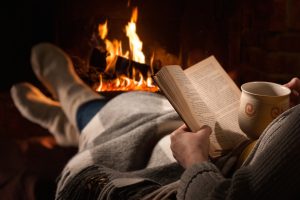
[39,109]
[54,68]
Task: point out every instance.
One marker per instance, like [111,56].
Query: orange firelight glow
[114,48]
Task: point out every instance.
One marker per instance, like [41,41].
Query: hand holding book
[204,94]
[197,149]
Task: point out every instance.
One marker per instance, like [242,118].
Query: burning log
[126,66]
[122,75]
[122,65]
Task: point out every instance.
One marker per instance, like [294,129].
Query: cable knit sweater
[272,170]
[120,157]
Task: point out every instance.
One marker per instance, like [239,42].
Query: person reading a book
[120,150]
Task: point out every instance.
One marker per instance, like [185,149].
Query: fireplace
[172,32]
[253,40]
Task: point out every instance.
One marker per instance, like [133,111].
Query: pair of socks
[44,111]
[54,68]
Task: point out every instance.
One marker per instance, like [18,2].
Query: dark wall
[269,40]
[25,24]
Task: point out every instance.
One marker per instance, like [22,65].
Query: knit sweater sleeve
[205,181]
[205,176]
[271,171]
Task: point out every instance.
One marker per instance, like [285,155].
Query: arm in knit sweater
[272,170]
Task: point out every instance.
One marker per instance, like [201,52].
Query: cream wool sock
[39,109]
[54,68]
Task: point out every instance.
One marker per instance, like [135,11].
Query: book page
[183,96]
[221,95]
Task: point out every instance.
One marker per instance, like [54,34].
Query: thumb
[205,130]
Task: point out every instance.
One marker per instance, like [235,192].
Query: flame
[151,63]
[103,30]
[124,83]
[135,44]
[113,48]
[135,53]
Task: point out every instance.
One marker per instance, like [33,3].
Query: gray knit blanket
[124,152]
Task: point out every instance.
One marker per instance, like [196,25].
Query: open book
[204,94]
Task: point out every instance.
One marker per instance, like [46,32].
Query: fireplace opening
[169,32]
[253,40]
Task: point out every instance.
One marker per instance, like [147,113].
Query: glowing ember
[114,48]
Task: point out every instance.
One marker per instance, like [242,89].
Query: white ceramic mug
[260,103]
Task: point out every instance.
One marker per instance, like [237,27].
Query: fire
[114,48]
[135,43]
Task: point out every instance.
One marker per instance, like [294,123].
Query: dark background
[25,23]
[30,159]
